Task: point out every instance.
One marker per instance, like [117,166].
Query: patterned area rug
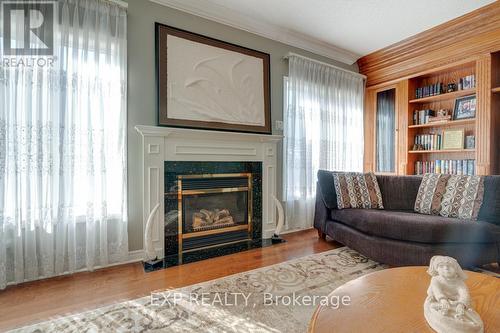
[278,298]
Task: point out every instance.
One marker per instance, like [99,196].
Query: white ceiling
[341,29]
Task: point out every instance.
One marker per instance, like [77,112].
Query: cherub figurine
[448,304]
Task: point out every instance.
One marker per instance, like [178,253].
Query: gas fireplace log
[206,217]
[225,220]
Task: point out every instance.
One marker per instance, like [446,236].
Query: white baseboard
[133,256]
[295,230]
[137,255]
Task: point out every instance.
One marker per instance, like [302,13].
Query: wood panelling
[495,111]
[369,129]
[402,126]
[462,39]
[484,124]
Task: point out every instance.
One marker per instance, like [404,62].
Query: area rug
[277,298]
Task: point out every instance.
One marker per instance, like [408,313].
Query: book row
[467,82]
[421,117]
[451,167]
[428,142]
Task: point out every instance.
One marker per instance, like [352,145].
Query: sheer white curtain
[323,130]
[63,149]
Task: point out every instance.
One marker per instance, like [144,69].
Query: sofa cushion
[399,192]
[450,195]
[357,190]
[417,227]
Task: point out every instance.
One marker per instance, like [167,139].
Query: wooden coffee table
[392,300]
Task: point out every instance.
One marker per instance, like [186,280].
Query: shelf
[496,90]
[442,97]
[441,151]
[445,123]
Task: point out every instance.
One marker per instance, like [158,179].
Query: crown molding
[234,19]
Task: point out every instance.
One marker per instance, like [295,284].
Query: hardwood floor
[40,300]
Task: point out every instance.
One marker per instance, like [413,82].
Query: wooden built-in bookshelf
[483,127]
[445,100]
[466,45]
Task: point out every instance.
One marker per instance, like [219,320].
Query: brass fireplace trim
[215,190]
[179,217]
[215,175]
[181,193]
[216,245]
[214,231]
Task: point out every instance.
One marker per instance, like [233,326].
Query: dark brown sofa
[397,236]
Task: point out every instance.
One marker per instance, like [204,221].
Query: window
[323,129]
[63,149]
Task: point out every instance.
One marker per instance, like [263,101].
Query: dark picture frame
[465,108]
[165,119]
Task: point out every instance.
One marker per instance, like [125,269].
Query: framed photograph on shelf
[465,108]
[470,142]
[206,83]
[453,139]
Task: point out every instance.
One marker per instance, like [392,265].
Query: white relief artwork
[448,307]
[212,84]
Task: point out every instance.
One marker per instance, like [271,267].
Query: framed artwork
[465,108]
[206,83]
[453,139]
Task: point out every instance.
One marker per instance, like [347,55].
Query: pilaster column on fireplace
[160,144]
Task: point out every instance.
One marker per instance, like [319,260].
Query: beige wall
[142,14]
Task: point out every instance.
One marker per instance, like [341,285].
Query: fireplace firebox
[214,209]
[211,209]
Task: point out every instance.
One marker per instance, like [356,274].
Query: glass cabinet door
[386,131]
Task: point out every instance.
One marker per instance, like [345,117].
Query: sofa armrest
[321,211]
[327,187]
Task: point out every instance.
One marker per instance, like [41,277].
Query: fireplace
[214,209]
[169,152]
[211,208]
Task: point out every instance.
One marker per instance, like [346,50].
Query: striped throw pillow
[450,196]
[357,190]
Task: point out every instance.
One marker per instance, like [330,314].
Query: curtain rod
[291,54]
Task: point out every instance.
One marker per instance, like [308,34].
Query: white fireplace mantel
[160,144]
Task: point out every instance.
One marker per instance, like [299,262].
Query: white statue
[149,249]
[447,307]
[281,221]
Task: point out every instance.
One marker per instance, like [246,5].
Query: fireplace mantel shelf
[157,131]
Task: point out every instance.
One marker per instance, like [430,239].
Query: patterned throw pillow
[357,190]
[450,196]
